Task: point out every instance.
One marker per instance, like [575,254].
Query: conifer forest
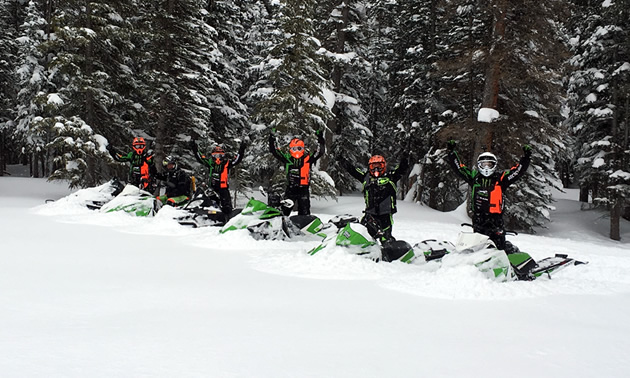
[387,77]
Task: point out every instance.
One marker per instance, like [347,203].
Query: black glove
[527,150]
[320,135]
[450,145]
[111,150]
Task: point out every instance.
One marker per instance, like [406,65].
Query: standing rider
[219,168]
[141,168]
[178,183]
[297,165]
[486,191]
[379,191]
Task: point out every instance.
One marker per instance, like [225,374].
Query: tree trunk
[3,164]
[337,74]
[493,75]
[615,216]
[34,164]
[584,193]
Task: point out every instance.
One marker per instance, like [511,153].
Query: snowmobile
[470,249]
[270,221]
[496,263]
[133,200]
[355,236]
[95,198]
[203,210]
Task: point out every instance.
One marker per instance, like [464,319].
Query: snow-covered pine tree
[344,36]
[599,104]
[229,115]
[34,85]
[9,22]
[176,50]
[80,101]
[381,18]
[522,58]
[292,89]
[415,101]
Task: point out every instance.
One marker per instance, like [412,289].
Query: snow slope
[84,294]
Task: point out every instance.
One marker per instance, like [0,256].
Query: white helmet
[487,163]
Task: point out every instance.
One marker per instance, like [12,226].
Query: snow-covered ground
[84,294]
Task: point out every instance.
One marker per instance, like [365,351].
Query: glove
[450,145]
[193,146]
[527,150]
[273,130]
[320,135]
[111,150]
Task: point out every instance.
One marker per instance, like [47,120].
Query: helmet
[169,163]
[139,145]
[487,163]
[218,153]
[377,165]
[296,148]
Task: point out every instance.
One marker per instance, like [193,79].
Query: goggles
[218,155]
[487,164]
[297,148]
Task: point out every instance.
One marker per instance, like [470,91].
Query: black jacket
[379,192]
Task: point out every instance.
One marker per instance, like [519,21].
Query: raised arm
[456,164]
[195,150]
[239,156]
[321,149]
[398,172]
[274,150]
[515,173]
[354,172]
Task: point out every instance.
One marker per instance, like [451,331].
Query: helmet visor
[487,164]
[139,147]
[377,168]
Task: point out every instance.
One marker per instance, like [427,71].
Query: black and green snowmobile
[134,201]
[267,221]
[470,249]
[204,210]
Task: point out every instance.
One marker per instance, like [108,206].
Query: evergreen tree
[33,80]
[521,56]
[9,22]
[599,102]
[292,86]
[344,36]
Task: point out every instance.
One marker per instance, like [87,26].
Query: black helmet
[170,163]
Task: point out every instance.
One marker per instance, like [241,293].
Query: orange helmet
[296,148]
[377,165]
[139,145]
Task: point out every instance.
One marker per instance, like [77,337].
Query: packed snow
[487,115]
[88,294]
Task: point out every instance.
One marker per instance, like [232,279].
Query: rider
[379,191]
[178,183]
[487,187]
[298,169]
[219,168]
[141,167]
